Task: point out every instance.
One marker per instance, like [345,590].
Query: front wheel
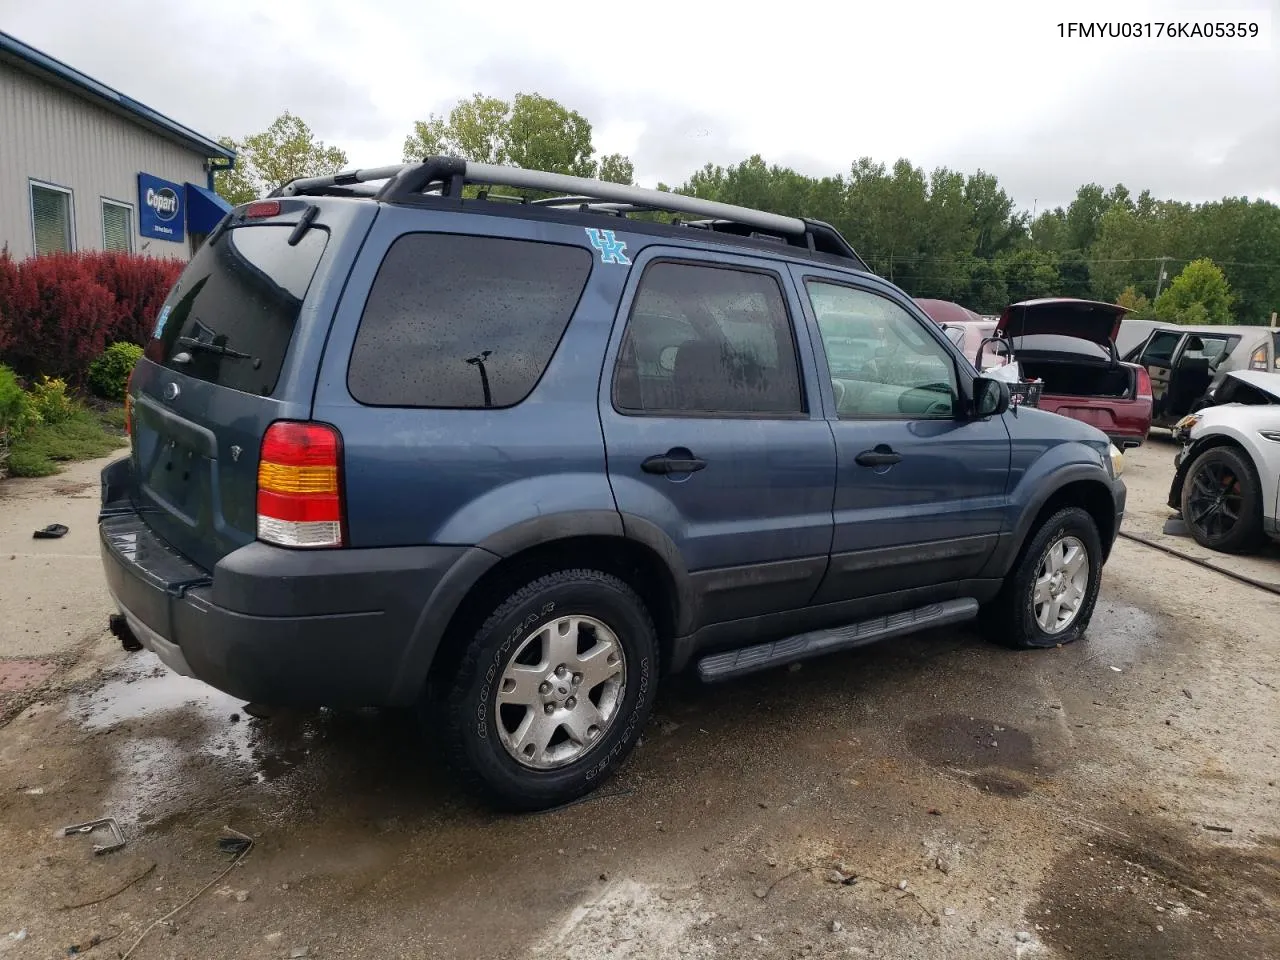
[1049,596]
[1222,501]
[554,690]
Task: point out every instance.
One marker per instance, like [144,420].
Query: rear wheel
[1049,596]
[554,690]
[1222,501]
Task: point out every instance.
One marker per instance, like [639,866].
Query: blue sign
[160,214]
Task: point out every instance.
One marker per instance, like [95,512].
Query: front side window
[708,341]
[1159,349]
[51,224]
[883,364]
[117,226]
[462,322]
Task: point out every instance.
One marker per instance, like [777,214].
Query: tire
[1214,470]
[537,771]
[1012,617]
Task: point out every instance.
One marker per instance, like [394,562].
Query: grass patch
[84,435]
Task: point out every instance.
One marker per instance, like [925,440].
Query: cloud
[675,85]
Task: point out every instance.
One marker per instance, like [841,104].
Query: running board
[763,656]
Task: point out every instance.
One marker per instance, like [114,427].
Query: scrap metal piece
[117,834]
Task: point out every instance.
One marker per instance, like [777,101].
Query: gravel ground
[934,797]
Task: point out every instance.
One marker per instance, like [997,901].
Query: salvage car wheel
[1222,501]
[1048,597]
[554,689]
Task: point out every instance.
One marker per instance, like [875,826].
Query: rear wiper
[191,343]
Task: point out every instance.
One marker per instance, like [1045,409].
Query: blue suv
[511,445]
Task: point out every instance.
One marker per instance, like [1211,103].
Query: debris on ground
[837,926]
[117,842]
[902,884]
[1023,936]
[299,953]
[52,532]
[1218,829]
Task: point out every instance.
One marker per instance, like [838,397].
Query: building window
[117,226]
[51,219]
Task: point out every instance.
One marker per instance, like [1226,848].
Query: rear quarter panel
[1116,417]
[421,476]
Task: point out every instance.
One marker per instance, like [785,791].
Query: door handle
[881,456]
[678,460]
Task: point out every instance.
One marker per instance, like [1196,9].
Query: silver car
[1187,364]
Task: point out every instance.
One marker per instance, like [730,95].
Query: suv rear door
[714,430]
[234,349]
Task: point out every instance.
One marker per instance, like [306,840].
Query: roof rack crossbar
[343,178]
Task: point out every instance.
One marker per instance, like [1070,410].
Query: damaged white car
[1227,481]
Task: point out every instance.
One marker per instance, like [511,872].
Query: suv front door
[714,433]
[921,491]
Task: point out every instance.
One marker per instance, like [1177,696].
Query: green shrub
[109,374]
[51,402]
[12,401]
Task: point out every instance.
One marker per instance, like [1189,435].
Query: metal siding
[50,134]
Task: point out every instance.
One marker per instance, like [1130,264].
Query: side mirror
[990,397]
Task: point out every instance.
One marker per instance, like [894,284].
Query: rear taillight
[128,405]
[1259,359]
[1144,383]
[300,486]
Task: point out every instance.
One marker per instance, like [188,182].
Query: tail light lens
[300,486]
[1258,361]
[1144,382]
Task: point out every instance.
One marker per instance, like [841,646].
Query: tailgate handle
[881,456]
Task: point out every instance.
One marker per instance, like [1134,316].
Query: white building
[84,167]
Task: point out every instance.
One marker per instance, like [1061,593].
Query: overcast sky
[972,84]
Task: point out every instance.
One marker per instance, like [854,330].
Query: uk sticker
[164,315]
[612,250]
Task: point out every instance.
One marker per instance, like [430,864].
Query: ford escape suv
[512,445]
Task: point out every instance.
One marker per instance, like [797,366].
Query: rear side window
[464,322]
[708,341]
[230,317]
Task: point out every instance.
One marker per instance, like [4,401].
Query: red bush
[139,285]
[59,312]
[8,281]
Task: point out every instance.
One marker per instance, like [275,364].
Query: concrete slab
[52,593]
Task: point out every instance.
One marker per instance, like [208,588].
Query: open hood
[1260,380]
[1065,317]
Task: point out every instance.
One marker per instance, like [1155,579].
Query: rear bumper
[338,628]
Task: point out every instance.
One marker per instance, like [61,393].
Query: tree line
[943,234]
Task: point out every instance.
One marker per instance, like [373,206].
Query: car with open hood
[1069,345]
[1187,364]
[1227,479]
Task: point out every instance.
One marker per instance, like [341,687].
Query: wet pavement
[1116,798]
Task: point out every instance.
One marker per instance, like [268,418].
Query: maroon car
[1069,345]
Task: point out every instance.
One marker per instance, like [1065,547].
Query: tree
[529,131]
[1029,274]
[1199,294]
[1139,307]
[285,151]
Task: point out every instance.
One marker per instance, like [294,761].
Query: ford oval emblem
[171,391]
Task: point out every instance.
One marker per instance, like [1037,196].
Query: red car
[1070,346]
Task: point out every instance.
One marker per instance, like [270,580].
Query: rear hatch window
[230,318]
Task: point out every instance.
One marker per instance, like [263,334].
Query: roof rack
[447,176]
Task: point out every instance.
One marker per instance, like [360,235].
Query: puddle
[1119,631]
[175,729]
